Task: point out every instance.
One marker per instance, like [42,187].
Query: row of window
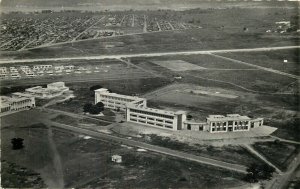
[151,123]
[152,113]
[150,118]
[241,128]
[116,98]
[230,123]
[218,129]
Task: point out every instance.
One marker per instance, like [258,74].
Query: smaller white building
[42,67]
[116,158]
[53,90]
[16,103]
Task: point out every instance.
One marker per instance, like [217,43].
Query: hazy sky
[134,4]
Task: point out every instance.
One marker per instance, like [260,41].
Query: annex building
[137,112]
[52,90]
[16,103]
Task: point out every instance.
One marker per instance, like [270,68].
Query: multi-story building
[138,112]
[155,117]
[228,123]
[16,103]
[116,101]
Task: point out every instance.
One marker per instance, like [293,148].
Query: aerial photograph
[135,94]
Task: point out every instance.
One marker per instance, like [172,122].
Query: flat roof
[13,99]
[229,117]
[118,95]
[153,110]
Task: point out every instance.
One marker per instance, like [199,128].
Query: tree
[189,117]
[259,172]
[17,143]
[95,87]
[87,107]
[95,109]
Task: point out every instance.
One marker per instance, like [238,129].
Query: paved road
[258,67]
[285,140]
[74,115]
[162,150]
[88,28]
[100,57]
[281,181]
[253,151]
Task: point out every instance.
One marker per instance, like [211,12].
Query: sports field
[177,65]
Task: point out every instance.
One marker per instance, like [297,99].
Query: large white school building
[137,112]
[155,117]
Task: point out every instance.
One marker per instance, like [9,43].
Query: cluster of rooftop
[137,111]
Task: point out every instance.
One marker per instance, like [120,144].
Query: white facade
[116,101]
[116,158]
[155,117]
[16,103]
[138,112]
[228,123]
[53,90]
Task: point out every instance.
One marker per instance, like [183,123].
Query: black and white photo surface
[150,94]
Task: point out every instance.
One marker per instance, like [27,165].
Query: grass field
[202,60]
[256,80]
[66,159]
[200,39]
[78,122]
[271,59]
[229,153]
[281,154]
[14,176]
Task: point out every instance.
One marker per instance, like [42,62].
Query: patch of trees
[17,143]
[93,109]
[95,87]
[14,89]
[259,172]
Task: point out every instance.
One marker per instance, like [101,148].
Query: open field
[78,122]
[201,60]
[194,39]
[71,160]
[228,153]
[14,176]
[177,65]
[256,80]
[223,73]
[271,59]
[279,153]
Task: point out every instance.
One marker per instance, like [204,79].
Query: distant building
[42,67]
[52,90]
[16,103]
[116,159]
